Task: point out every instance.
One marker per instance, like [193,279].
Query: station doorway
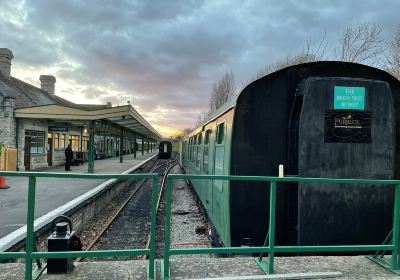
[27,153]
[50,149]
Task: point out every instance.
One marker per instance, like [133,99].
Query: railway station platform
[53,194]
[242,268]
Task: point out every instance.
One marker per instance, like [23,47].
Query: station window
[56,140]
[220,133]
[37,141]
[62,144]
[74,141]
[85,143]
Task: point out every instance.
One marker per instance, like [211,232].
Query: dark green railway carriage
[321,119]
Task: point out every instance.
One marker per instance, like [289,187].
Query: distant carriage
[164,149]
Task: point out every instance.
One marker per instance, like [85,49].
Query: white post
[280,171]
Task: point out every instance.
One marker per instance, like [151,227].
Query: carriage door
[27,153]
[207,167]
[217,190]
[346,130]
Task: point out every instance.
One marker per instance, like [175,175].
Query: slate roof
[27,95]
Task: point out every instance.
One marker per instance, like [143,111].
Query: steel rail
[167,170]
[112,219]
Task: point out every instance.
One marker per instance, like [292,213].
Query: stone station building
[40,124]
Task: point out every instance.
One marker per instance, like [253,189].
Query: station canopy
[117,118]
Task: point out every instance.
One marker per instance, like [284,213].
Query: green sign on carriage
[346,98]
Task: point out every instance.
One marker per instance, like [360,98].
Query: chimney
[108,104]
[5,62]
[47,83]
[9,101]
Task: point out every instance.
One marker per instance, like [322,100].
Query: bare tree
[222,90]
[181,134]
[308,54]
[363,43]
[392,62]
[201,118]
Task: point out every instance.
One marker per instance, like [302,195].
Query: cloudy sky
[163,56]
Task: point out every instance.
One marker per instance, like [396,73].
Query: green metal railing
[271,249]
[29,255]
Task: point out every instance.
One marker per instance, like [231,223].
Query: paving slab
[351,267]
[11,271]
[185,267]
[52,193]
[132,270]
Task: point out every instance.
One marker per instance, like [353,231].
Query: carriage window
[219,165]
[200,138]
[220,133]
[207,137]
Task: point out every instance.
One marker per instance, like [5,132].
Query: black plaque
[347,126]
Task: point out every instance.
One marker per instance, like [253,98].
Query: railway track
[129,226]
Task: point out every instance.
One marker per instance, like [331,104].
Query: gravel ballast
[189,228]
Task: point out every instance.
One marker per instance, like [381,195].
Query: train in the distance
[164,149]
[322,119]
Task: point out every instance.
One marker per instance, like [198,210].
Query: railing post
[272,203]
[396,220]
[91,147]
[153,224]
[167,233]
[30,234]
